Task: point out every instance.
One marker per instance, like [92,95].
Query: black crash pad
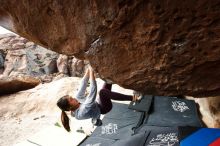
[186,131]
[134,140]
[172,136]
[151,136]
[117,124]
[97,141]
[142,105]
[121,120]
[171,111]
[160,136]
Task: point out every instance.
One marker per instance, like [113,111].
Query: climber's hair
[65,121]
[63,104]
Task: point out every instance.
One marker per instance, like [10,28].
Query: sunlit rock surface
[20,58]
[15,84]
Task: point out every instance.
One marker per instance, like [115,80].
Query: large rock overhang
[160,47]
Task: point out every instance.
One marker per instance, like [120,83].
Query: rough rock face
[210,110]
[18,56]
[11,85]
[77,67]
[71,66]
[22,58]
[1,62]
[62,64]
[164,47]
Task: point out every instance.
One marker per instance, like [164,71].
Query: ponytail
[64,105]
[65,121]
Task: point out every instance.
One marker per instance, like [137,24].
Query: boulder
[25,113]
[7,35]
[1,61]
[29,44]
[164,47]
[77,67]
[71,66]
[18,45]
[25,58]
[62,64]
[19,83]
[5,39]
[20,58]
[50,67]
[42,98]
[209,108]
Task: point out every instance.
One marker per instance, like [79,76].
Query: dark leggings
[105,96]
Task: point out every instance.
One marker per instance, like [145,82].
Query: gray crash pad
[171,111]
[117,124]
[151,136]
[161,136]
[97,141]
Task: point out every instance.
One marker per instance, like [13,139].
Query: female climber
[85,107]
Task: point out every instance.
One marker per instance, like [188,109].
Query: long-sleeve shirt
[89,108]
